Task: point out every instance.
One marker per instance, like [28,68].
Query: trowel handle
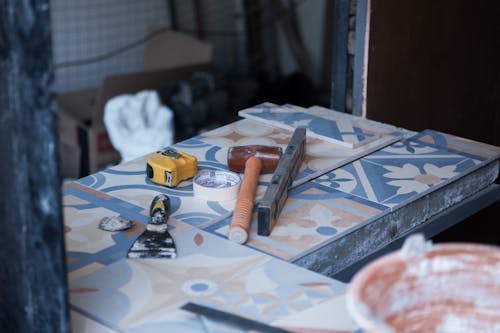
[242,216]
[159,210]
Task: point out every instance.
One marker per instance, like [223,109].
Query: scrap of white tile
[370,193]
[358,153]
[367,124]
[347,137]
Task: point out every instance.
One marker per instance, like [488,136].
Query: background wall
[435,64]
[86,29]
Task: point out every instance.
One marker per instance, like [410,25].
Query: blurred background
[426,64]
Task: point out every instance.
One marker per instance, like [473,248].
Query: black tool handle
[159,211]
[277,192]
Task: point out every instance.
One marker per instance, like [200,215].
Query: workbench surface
[361,186]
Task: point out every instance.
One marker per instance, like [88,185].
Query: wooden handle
[242,216]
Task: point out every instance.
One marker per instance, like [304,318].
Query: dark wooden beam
[339,62]
[33,292]
[253,18]
[172,10]
[326,67]
[200,20]
[360,61]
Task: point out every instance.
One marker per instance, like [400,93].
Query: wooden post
[172,10]
[200,21]
[326,67]
[33,292]
[360,57]
[339,62]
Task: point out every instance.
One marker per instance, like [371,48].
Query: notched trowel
[155,241]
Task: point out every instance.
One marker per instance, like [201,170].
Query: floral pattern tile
[337,189]
[473,149]
[335,128]
[319,157]
[264,294]
[134,292]
[336,131]
[128,181]
[312,215]
[90,248]
[398,173]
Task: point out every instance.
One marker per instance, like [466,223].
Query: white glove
[138,124]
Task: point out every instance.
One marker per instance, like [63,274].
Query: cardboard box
[81,112]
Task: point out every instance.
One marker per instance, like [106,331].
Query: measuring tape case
[170,166]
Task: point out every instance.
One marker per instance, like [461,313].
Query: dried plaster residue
[453,288]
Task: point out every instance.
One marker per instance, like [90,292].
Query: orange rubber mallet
[252,160]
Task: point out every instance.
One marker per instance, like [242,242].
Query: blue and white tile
[334,129]
[476,150]
[320,156]
[129,293]
[129,183]
[90,248]
[274,290]
[312,215]
[398,173]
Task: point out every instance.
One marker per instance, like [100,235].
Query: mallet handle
[242,216]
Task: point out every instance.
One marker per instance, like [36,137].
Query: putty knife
[155,241]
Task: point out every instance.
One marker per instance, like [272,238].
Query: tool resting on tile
[274,199]
[155,241]
[252,160]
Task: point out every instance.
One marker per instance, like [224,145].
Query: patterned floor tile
[398,173]
[339,131]
[319,157]
[319,318]
[128,182]
[313,214]
[130,293]
[473,149]
[90,248]
[274,290]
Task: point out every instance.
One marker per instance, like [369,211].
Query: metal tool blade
[155,241]
[152,244]
[231,318]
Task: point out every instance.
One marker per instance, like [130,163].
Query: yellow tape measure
[170,166]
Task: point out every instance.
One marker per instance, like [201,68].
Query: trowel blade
[153,245]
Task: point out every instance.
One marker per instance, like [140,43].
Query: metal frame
[430,228]
[360,57]
[344,252]
[339,83]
